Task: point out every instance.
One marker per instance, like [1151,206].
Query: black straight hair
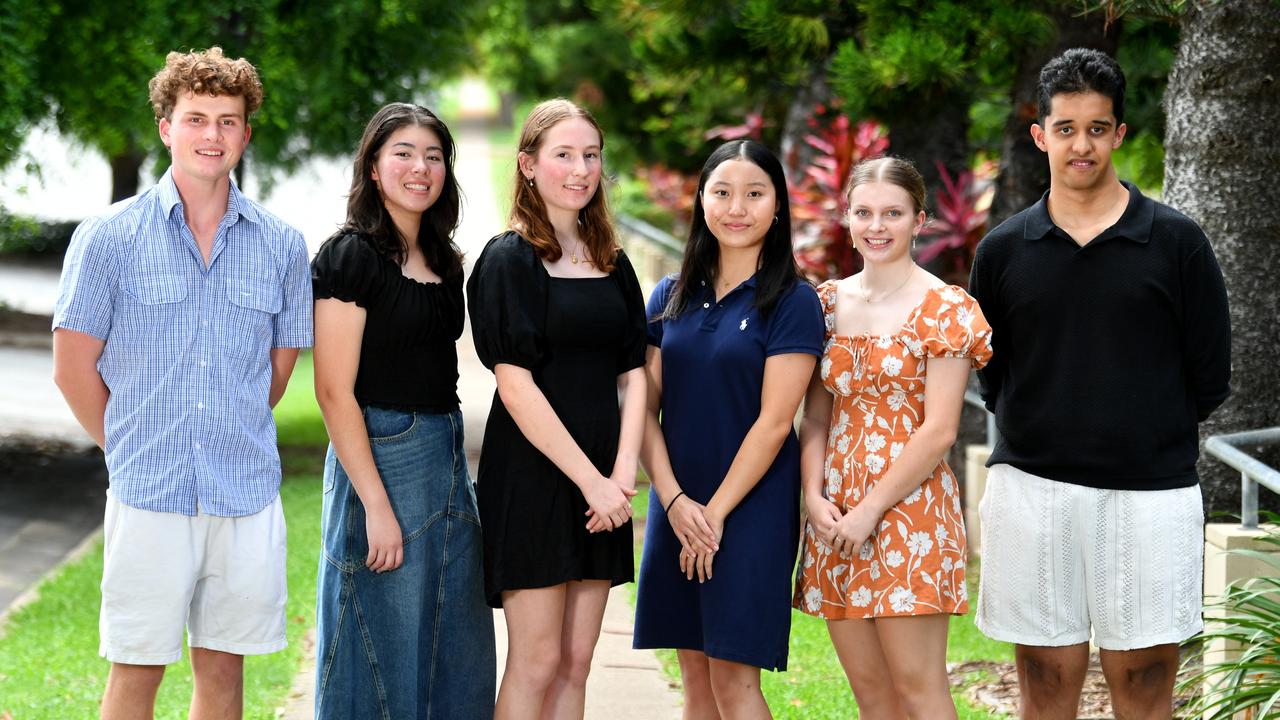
[367,213]
[1080,70]
[777,271]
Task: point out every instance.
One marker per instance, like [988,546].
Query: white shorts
[223,578]
[1060,559]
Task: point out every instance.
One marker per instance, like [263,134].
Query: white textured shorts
[222,578]
[1060,559]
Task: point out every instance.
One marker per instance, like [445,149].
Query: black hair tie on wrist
[673,501]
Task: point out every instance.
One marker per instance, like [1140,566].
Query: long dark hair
[529,213]
[366,213]
[777,272]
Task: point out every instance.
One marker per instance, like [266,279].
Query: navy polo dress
[713,358]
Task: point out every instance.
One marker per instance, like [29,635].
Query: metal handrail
[651,234]
[1253,472]
[973,398]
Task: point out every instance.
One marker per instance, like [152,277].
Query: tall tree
[325,68]
[1221,165]
[23,26]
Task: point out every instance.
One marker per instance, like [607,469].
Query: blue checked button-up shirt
[188,348]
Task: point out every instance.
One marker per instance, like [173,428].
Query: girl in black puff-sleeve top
[400,567]
[557,313]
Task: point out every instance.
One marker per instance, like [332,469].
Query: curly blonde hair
[207,72]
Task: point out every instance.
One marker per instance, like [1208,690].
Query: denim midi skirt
[417,641]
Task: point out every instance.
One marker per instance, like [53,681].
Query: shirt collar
[1134,224]
[237,203]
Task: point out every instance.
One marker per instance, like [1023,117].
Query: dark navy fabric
[713,358]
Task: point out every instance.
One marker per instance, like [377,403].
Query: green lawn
[49,664]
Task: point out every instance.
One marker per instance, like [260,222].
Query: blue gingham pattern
[188,349]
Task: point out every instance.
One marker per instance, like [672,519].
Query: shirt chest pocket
[157,308]
[253,306]
[156,288]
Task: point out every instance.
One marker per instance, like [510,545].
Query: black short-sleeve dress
[575,335]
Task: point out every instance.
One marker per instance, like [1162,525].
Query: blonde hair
[892,170]
[528,212]
[206,72]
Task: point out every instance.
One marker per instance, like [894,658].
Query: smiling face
[206,135]
[739,203]
[1079,134]
[409,170]
[566,167]
[882,221]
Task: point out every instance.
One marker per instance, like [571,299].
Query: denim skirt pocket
[416,467]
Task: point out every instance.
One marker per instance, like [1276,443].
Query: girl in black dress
[557,314]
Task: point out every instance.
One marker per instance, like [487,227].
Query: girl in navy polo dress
[733,340]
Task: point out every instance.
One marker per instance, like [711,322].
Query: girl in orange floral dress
[884,546]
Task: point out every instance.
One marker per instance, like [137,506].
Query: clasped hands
[699,529]
[609,501]
[845,532]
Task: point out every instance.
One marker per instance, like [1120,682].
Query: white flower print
[875,464]
[963,591]
[914,346]
[884,341]
[947,564]
[861,597]
[867,551]
[842,382]
[891,366]
[952,295]
[913,497]
[920,543]
[895,449]
[940,534]
[902,600]
[896,400]
[893,558]
[955,504]
[813,599]
[874,442]
[868,418]
[842,445]
[964,316]
[948,485]
[826,366]
[833,481]
[874,570]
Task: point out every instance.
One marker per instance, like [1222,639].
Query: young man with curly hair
[179,318]
[1112,341]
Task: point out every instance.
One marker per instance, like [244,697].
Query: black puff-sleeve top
[408,357]
[508,302]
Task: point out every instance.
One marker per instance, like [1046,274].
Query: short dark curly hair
[206,72]
[1081,70]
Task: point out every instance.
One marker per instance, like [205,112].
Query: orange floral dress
[914,562]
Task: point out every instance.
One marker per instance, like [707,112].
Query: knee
[575,664]
[536,666]
[731,682]
[1042,675]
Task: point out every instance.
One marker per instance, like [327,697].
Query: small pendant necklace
[865,292]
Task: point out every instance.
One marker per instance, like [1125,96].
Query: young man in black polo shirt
[1112,341]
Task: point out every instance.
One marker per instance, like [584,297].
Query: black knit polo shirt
[1108,355]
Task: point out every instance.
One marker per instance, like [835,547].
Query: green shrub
[20,235]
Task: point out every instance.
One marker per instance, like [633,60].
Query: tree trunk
[934,127]
[124,173]
[1024,174]
[1221,165]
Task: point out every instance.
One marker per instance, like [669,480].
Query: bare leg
[737,690]
[533,650]
[695,675]
[131,692]
[219,685]
[916,651]
[583,612]
[1050,679]
[858,647]
[1141,681]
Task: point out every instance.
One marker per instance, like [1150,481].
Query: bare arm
[631,388]
[785,378]
[815,425]
[75,372]
[544,430]
[282,362]
[943,396]
[339,329]
[685,514]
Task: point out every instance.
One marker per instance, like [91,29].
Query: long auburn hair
[777,271]
[367,213]
[529,213]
